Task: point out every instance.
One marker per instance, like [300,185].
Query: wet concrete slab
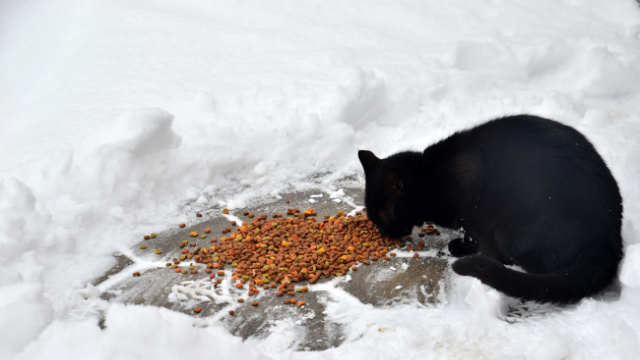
[401,279]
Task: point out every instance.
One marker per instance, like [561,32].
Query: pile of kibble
[277,252]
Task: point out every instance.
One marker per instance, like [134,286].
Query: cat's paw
[461,247]
[477,266]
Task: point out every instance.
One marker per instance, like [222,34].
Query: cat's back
[539,158]
[528,134]
[533,141]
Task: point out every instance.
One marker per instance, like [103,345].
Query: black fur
[528,191]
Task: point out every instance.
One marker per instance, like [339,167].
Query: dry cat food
[274,253]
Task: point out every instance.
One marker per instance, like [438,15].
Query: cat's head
[391,191]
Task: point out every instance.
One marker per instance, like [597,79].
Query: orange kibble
[207,230]
[415,256]
[178,270]
[225,211]
[293,300]
[301,302]
[392,254]
[197,310]
[231,312]
[239,285]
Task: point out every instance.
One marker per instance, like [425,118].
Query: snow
[120,118]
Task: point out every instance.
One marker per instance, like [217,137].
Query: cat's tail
[589,275]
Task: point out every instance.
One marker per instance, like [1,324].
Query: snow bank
[122,118]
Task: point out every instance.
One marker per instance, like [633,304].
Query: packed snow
[120,118]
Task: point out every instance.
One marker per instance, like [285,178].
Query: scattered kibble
[276,252]
[225,211]
[147,237]
[158,251]
[300,303]
[182,225]
[197,310]
[198,215]
[231,312]
[143,246]
[137,273]
[254,303]
[153,235]
[241,300]
[415,256]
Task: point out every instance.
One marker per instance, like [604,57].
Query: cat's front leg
[463,247]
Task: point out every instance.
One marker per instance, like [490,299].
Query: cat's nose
[381,231]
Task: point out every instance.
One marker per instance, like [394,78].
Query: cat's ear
[393,183]
[367,159]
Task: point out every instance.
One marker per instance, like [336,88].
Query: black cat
[528,191]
